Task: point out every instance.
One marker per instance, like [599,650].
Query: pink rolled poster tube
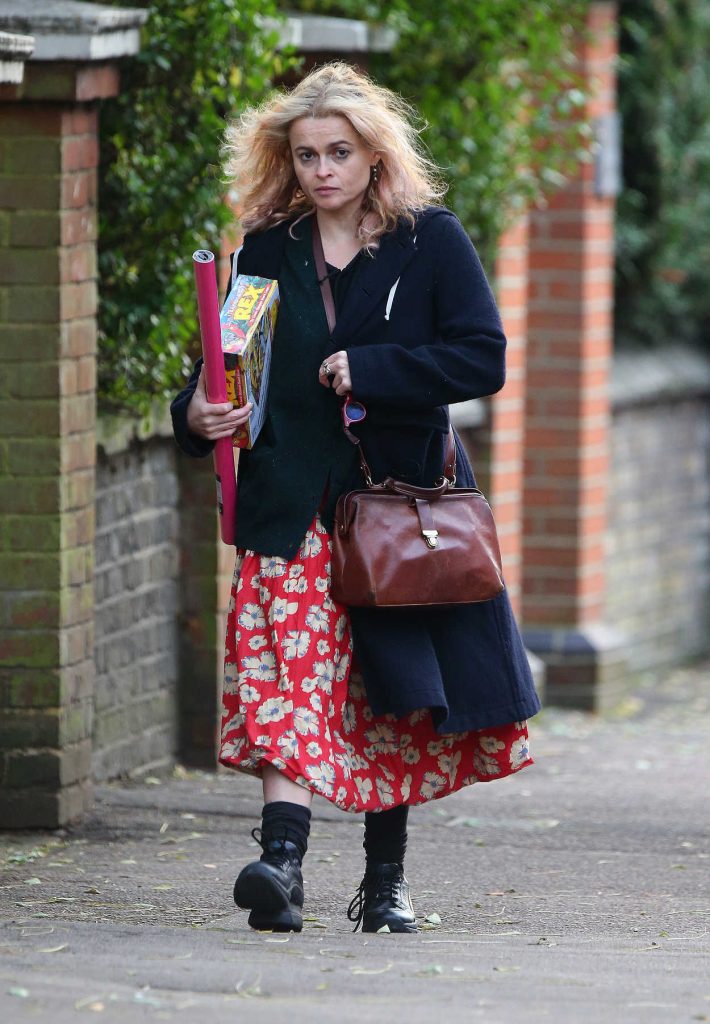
[208,310]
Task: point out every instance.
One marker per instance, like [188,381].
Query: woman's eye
[342,153]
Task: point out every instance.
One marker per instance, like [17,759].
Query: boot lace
[274,848]
[372,890]
[356,909]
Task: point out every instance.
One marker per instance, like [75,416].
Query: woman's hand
[213,420]
[339,369]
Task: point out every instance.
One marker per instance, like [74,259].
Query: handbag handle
[414,492]
[329,305]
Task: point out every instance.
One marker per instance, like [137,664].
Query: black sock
[281,819]
[386,835]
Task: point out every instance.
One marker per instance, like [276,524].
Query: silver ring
[325,369]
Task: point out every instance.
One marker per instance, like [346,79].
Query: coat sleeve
[191,444]
[467,359]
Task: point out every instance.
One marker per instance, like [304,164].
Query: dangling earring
[374,174]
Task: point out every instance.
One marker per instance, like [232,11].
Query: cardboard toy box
[248,322]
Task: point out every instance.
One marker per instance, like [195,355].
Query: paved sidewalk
[575,892]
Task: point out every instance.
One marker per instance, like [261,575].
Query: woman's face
[332,163]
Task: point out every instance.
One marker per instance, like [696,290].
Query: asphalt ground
[577,891]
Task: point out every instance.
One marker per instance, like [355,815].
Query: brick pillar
[507,441]
[567,410]
[48,158]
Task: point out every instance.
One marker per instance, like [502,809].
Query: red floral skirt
[293,699]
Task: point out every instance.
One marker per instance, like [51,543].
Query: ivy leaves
[162,194]
[494,82]
[497,87]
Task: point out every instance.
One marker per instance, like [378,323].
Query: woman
[375,710]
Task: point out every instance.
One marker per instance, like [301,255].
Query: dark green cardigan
[301,451]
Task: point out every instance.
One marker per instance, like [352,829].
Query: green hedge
[161,194]
[663,233]
[494,79]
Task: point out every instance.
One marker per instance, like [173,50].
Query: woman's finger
[334,372]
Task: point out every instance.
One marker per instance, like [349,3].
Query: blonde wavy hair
[259,166]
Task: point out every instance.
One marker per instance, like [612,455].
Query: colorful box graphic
[248,322]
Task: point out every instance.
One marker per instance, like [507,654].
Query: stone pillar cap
[14,51]
[75,30]
[17,47]
[316,32]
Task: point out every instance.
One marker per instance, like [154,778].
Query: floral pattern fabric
[293,698]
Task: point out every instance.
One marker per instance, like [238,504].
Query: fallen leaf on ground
[248,991]
[368,970]
[180,956]
[145,999]
[90,1003]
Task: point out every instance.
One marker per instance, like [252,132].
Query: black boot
[272,887]
[383,899]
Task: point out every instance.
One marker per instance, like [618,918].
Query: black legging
[385,839]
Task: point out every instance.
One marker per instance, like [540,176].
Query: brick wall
[658,551]
[136,624]
[47,346]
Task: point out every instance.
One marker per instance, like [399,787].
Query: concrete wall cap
[116,433]
[465,415]
[641,376]
[314,32]
[75,30]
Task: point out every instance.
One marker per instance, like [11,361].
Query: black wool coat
[421,330]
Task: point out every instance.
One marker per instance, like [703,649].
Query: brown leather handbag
[396,545]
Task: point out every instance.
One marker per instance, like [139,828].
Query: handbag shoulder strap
[450,457]
[323,279]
